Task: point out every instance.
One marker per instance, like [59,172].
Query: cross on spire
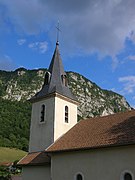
[58,30]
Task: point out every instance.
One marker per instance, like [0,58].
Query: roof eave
[54,94]
[88,148]
[35,164]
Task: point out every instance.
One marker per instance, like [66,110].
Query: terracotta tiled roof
[112,130]
[34,159]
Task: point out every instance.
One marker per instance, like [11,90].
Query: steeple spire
[55,79]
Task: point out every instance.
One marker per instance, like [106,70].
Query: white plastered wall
[98,164]
[60,126]
[41,134]
[44,134]
[36,173]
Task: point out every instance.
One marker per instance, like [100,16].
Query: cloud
[39,46]
[132,57]
[6,63]
[21,41]
[128,84]
[25,16]
[89,26]
[43,47]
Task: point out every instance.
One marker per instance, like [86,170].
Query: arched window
[47,78]
[66,114]
[42,113]
[79,177]
[127,176]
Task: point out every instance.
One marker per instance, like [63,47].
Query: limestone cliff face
[22,84]
[93,100]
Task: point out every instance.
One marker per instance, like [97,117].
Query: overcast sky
[100,34]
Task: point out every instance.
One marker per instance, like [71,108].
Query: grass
[10,154]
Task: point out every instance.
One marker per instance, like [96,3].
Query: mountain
[16,87]
[22,84]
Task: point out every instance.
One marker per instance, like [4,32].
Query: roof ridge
[110,115]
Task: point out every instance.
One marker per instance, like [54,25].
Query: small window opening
[79,177]
[66,114]
[42,113]
[47,78]
[64,80]
[127,176]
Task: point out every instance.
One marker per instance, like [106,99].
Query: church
[60,148]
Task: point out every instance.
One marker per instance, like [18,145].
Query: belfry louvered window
[66,114]
[47,78]
[42,119]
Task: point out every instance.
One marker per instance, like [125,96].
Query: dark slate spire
[55,79]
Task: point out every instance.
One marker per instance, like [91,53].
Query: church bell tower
[54,108]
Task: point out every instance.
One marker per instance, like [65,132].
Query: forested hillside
[14,124]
